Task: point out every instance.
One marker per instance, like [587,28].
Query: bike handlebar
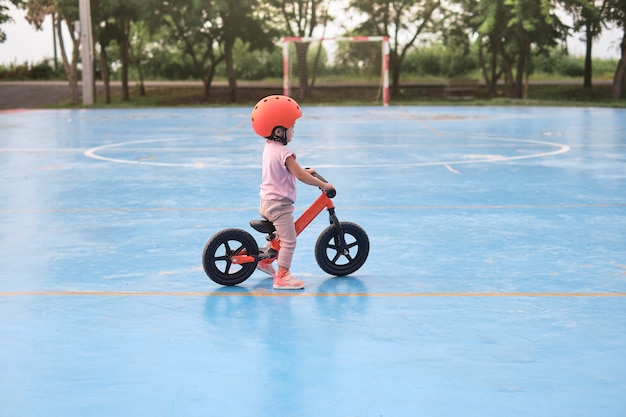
[330,193]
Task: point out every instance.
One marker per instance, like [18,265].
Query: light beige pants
[280,212]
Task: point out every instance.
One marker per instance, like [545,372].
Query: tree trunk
[620,72]
[316,62]
[507,70]
[526,82]
[104,72]
[522,63]
[230,71]
[142,86]
[207,78]
[70,68]
[303,69]
[124,57]
[394,66]
[483,68]
[490,74]
[124,70]
[588,65]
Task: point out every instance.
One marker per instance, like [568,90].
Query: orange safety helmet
[274,111]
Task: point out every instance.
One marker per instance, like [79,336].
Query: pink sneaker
[266,267]
[287,282]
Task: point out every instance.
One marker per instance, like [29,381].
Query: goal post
[343,68]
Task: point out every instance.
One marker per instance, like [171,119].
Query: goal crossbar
[384,40]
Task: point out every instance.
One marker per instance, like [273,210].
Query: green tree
[125,13]
[587,15]
[509,32]
[206,33]
[120,23]
[488,21]
[64,12]
[4,15]
[256,64]
[139,36]
[238,21]
[403,21]
[299,19]
[457,57]
[193,28]
[616,12]
[104,33]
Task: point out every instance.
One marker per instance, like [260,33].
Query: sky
[25,44]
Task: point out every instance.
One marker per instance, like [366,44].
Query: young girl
[274,118]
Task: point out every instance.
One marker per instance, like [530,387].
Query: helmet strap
[282,137]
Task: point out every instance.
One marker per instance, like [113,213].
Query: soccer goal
[342,68]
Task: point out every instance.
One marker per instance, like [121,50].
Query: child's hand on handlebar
[310,176]
[327,186]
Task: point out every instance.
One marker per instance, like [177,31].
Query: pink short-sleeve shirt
[277,183]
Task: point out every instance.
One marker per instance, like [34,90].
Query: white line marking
[92,153]
[449,168]
[560,148]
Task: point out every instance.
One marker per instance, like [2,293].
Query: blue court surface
[495,283]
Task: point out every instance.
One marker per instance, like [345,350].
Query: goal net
[349,69]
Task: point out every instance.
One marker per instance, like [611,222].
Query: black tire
[329,256]
[216,257]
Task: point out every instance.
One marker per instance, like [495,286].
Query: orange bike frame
[322,202]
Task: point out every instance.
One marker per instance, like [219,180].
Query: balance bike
[231,255]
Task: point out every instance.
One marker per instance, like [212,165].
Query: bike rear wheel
[328,252]
[218,253]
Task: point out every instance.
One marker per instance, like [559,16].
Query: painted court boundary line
[561,148]
[266,293]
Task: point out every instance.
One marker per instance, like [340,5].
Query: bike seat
[263,226]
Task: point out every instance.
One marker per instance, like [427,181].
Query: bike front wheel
[218,253]
[332,259]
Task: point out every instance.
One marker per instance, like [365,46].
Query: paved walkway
[32,94]
[42,94]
